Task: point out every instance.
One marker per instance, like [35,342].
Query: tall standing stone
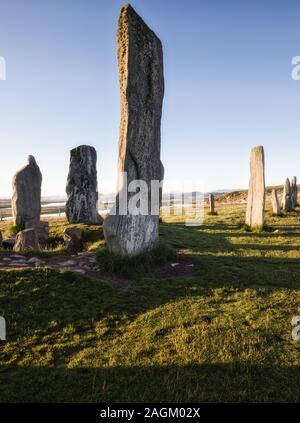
[256,192]
[211,200]
[275,202]
[294,192]
[26,199]
[172,203]
[82,188]
[286,196]
[141,79]
[162,174]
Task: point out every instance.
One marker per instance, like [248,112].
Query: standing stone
[172,203]
[82,190]
[286,196]
[141,79]
[26,199]
[256,192]
[27,240]
[162,174]
[211,200]
[294,192]
[275,202]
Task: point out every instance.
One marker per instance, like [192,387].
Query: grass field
[221,334]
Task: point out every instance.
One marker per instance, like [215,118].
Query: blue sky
[228,87]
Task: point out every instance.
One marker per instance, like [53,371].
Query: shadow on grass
[223,263]
[42,302]
[199,240]
[44,295]
[232,382]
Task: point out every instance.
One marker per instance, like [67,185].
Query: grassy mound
[133,267]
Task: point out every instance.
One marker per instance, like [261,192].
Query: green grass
[223,334]
[137,266]
[12,230]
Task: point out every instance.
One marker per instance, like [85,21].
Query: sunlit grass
[222,334]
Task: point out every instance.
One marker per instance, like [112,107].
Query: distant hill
[240,197]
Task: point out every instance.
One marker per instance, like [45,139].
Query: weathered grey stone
[275,202]
[22,260]
[294,192]
[211,200]
[82,190]
[26,199]
[18,264]
[27,240]
[172,203]
[161,178]
[286,196]
[140,60]
[68,263]
[73,238]
[256,191]
[36,261]
[42,230]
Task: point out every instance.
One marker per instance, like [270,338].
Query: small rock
[86,267]
[36,261]
[17,264]
[82,271]
[175,264]
[73,239]
[67,263]
[27,240]
[42,230]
